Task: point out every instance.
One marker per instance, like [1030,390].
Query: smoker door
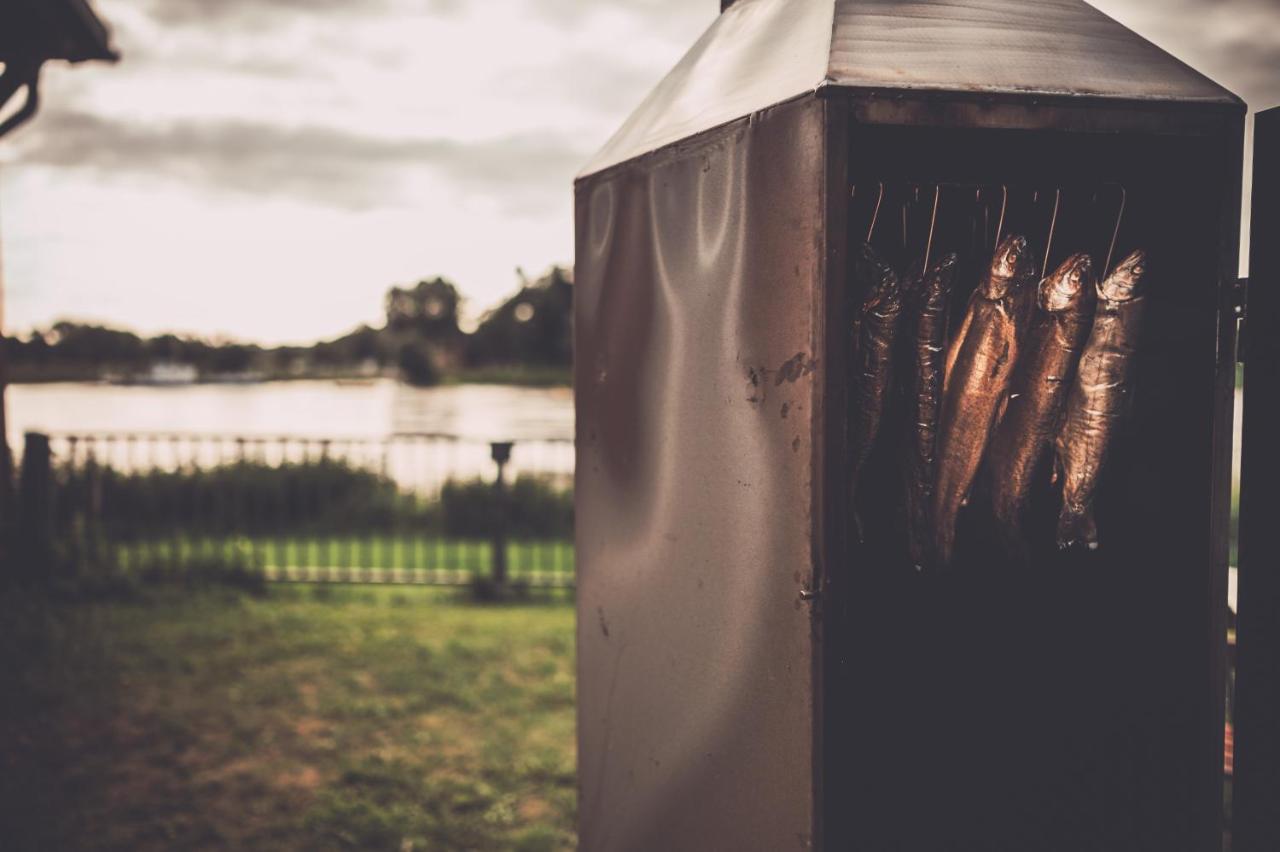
[1256,816]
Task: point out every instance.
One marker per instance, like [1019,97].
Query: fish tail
[943,546]
[855,519]
[1008,519]
[944,539]
[917,531]
[1076,527]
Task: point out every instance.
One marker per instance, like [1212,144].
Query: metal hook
[933,221]
[1124,197]
[1053,224]
[875,215]
[1004,205]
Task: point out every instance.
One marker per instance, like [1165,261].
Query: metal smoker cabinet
[751,674]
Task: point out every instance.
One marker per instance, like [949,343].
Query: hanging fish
[980,366]
[928,310]
[875,328]
[1098,399]
[1041,383]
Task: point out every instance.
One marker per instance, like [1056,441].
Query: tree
[535,326]
[416,365]
[429,309]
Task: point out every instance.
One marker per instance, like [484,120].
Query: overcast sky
[265,169]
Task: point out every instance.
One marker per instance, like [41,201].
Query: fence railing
[407,508]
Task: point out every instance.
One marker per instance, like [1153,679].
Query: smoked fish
[928,315]
[1098,399]
[876,326]
[980,364]
[1041,382]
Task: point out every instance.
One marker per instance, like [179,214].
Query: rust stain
[794,368]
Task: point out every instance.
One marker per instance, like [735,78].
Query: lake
[372,409]
[356,415]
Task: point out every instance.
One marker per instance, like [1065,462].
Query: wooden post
[6,458]
[501,453]
[35,508]
[6,468]
[1256,799]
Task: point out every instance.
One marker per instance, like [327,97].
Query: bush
[245,497]
[532,508]
[98,505]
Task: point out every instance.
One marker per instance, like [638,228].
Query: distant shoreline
[522,376]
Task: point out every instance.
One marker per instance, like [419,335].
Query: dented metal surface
[697,368]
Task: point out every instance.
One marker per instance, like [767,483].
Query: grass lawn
[312,718]
[326,556]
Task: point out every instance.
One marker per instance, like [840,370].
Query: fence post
[35,508]
[501,453]
[7,506]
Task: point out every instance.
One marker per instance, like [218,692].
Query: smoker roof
[761,52]
[52,29]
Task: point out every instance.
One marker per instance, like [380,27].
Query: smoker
[759,667]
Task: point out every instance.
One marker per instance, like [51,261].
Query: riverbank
[514,375]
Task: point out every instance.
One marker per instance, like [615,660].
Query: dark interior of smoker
[1050,706]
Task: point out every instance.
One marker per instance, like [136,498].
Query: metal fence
[409,508]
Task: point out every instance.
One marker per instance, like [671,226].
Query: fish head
[1123,284]
[938,281]
[913,283]
[1011,266]
[883,288]
[1069,285]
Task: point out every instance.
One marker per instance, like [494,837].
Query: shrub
[531,507]
[244,497]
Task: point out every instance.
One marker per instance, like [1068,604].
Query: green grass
[312,718]
[528,375]
[381,558]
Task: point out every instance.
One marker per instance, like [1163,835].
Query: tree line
[528,337]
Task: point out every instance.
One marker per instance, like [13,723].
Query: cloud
[1232,41]
[254,12]
[314,163]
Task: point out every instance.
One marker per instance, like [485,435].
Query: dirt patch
[304,778]
[310,727]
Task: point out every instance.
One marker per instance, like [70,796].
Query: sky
[266,169]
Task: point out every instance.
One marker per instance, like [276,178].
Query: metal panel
[754,55]
[698,375]
[1044,47]
[762,52]
[1257,762]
